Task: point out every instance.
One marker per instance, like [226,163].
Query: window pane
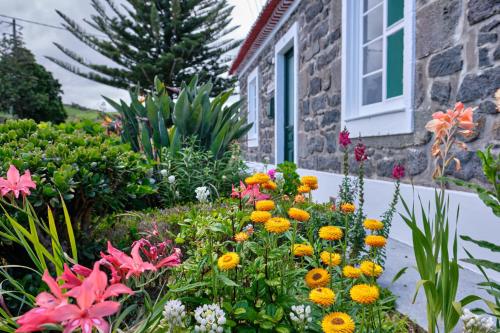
[252,98]
[373,24]
[395,47]
[368,4]
[395,11]
[372,89]
[372,56]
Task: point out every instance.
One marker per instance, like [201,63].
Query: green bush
[94,173]
[191,167]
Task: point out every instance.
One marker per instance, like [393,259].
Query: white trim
[392,116]
[268,39]
[475,219]
[253,134]
[288,41]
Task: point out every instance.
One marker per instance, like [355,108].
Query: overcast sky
[40,40]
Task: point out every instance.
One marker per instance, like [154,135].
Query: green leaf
[482,243]
[227,281]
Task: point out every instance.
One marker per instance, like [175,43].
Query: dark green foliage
[290,177]
[28,90]
[170,39]
[94,173]
[161,123]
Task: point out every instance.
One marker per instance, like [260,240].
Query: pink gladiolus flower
[172,260]
[16,183]
[344,139]
[398,171]
[272,174]
[157,254]
[360,152]
[134,265]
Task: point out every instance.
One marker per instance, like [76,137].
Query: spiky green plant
[162,122]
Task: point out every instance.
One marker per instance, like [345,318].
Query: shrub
[182,172]
[94,173]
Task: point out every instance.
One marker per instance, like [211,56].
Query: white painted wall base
[475,219]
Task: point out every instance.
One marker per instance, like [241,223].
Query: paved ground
[400,255]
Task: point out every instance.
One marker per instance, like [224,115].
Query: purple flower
[272,173]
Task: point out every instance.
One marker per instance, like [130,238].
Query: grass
[75,114]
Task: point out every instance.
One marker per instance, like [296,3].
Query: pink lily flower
[48,305]
[134,265]
[91,303]
[172,260]
[16,183]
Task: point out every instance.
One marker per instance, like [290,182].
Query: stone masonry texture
[457,58]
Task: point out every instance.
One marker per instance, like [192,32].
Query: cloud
[40,41]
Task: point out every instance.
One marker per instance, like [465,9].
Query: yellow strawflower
[330,233]
[347,208]
[277,225]
[375,241]
[264,205]
[260,217]
[298,214]
[261,178]
[303,189]
[372,224]
[371,269]
[337,322]
[310,181]
[241,237]
[351,272]
[228,261]
[317,277]
[270,185]
[251,180]
[322,296]
[330,258]
[364,293]
[301,250]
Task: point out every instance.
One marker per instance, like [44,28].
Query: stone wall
[457,58]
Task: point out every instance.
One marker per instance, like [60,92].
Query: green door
[289,105]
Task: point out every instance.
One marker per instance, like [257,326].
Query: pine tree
[171,39]
[28,90]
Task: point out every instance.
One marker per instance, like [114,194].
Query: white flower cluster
[202,194]
[174,314]
[210,319]
[477,324]
[301,315]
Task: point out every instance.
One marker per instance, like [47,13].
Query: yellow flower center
[338,321]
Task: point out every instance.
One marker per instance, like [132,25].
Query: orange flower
[270,185]
[299,198]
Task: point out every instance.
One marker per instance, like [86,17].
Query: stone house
[379,67]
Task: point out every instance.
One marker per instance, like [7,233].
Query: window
[286,65]
[377,68]
[253,107]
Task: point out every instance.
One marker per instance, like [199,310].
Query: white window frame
[391,116]
[290,39]
[253,134]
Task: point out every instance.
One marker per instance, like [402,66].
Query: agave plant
[156,121]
